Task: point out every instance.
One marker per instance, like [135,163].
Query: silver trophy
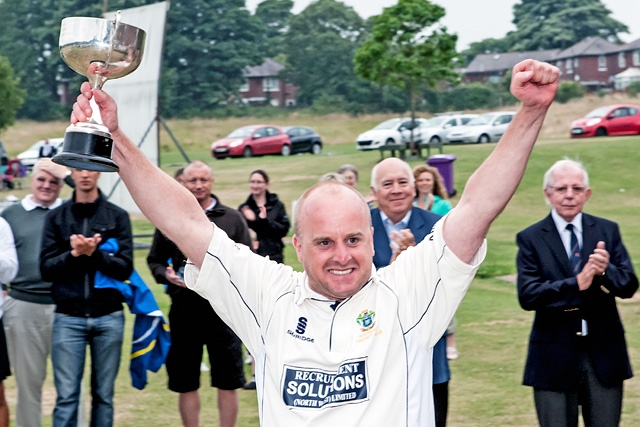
[99,49]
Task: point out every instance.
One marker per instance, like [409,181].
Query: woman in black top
[266,215]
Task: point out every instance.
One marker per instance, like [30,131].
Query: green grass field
[492,329]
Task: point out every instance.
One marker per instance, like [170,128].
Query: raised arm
[491,186]
[166,203]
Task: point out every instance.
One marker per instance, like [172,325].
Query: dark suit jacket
[546,284]
[420,224]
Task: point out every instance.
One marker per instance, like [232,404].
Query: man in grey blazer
[571,267]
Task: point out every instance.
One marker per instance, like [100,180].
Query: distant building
[263,87]
[492,67]
[592,62]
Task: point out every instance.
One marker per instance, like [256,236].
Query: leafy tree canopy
[10,94]
[552,24]
[275,16]
[407,49]
[321,42]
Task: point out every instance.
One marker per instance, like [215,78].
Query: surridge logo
[302,325]
[301,328]
[365,320]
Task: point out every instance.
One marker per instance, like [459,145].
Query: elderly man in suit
[571,266]
[397,225]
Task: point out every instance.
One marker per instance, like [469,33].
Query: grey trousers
[28,327]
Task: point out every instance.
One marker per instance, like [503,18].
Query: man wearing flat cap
[29,308]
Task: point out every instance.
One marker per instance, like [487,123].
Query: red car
[622,119]
[254,140]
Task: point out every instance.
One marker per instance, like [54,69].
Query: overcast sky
[475,20]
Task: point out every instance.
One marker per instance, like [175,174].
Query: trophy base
[87,148]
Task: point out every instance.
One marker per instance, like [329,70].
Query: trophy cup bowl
[99,49]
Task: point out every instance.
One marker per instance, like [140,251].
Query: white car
[488,127]
[436,129]
[393,131]
[30,156]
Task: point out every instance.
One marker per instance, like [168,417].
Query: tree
[10,94]
[321,42]
[552,24]
[275,16]
[29,33]
[406,51]
[207,46]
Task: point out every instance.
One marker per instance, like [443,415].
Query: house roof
[634,45]
[269,68]
[590,46]
[486,63]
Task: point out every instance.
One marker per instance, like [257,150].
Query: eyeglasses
[257,182]
[52,182]
[575,189]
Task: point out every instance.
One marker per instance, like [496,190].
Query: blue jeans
[70,338]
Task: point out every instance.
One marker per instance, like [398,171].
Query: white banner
[137,96]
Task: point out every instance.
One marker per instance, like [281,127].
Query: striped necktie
[574,257]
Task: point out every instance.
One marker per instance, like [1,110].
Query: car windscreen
[389,124]
[480,120]
[598,112]
[241,133]
[434,122]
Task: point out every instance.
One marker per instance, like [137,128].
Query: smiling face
[567,192]
[198,180]
[424,183]
[394,188]
[257,184]
[45,188]
[334,241]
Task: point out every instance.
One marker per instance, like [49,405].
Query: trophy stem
[95,118]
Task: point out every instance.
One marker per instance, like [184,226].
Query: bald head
[321,194]
[333,239]
[394,164]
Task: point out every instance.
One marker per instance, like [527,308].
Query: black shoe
[251,385]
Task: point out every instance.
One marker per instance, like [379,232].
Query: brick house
[492,67]
[263,87]
[592,62]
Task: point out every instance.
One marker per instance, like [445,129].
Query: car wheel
[247,152]
[434,140]
[285,150]
[601,132]
[316,149]
[484,138]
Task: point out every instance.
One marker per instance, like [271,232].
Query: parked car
[254,140]
[436,129]
[30,155]
[303,139]
[488,127]
[393,131]
[609,120]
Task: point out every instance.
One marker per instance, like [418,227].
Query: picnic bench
[402,149]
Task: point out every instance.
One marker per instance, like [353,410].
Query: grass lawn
[492,328]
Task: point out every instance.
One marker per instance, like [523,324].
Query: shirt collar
[213,204]
[28,204]
[389,226]
[561,223]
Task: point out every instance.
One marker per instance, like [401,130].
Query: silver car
[437,129]
[488,127]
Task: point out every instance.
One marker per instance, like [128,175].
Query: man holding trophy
[260,299]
